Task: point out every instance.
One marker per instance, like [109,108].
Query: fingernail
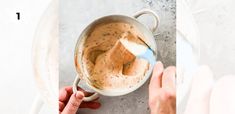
[158,69]
[79,95]
[159,62]
[159,65]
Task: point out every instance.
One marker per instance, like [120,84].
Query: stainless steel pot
[148,38]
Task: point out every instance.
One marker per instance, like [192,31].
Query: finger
[65,94]
[155,81]
[61,106]
[168,78]
[91,105]
[74,103]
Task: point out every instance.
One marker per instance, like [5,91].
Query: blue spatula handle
[149,56]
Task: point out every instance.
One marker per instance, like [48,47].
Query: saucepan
[148,34]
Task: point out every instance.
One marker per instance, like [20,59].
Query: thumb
[73,103]
[155,82]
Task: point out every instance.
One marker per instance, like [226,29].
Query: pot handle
[87,99]
[148,11]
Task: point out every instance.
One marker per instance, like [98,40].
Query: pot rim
[114,92]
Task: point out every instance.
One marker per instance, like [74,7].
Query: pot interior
[148,38]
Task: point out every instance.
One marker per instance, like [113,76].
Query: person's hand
[69,102]
[162,91]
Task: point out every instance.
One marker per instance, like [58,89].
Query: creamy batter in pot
[108,63]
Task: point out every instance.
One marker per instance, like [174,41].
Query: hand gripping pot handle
[90,98]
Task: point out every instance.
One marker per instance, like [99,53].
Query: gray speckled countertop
[75,15]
